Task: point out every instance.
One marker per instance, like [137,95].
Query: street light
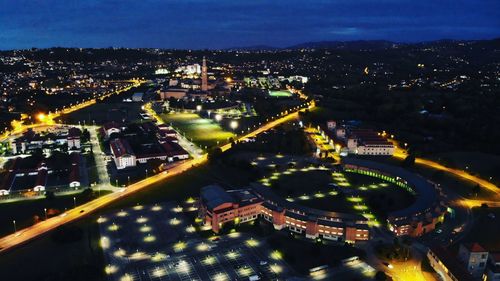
[218,117]
[233,124]
[45,211]
[74,202]
[14,222]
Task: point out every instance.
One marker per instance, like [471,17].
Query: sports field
[203,132]
[280,94]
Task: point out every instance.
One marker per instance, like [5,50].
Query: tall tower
[204,79]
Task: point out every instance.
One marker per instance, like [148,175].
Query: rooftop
[474,247]
[214,196]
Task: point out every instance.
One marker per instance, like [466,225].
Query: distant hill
[355,45]
[366,44]
[254,48]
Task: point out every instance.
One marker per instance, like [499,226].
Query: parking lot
[159,243]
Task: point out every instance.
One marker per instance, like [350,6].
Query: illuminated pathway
[464,175]
[29,233]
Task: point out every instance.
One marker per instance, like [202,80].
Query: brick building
[218,207]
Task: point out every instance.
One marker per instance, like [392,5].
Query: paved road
[400,153]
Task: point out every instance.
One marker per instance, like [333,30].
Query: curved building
[218,206]
[418,218]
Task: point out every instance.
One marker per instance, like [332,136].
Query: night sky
[198,24]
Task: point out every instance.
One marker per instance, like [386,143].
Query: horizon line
[264,46]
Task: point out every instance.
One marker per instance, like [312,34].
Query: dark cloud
[223,23]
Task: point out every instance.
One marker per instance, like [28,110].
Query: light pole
[146,173]
[128,180]
[74,202]
[14,222]
[45,211]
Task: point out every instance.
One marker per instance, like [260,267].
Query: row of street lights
[45,213]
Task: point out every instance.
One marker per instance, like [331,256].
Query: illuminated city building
[218,207]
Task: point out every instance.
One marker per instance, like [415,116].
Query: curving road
[20,237]
[399,153]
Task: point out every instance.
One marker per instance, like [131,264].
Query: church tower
[204,79]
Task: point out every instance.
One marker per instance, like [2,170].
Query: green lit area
[204,132]
[393,180]
[280,94]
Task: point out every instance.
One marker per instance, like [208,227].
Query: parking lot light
[110,269]
[276,255]
[159,272]
[252,242]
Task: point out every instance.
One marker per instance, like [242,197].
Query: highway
[22,236]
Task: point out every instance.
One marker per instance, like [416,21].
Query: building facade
[447,266]
[474,257]
[123,155]
[493,267]
[218,207]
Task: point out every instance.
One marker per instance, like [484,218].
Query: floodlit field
[204,132]
[280,94]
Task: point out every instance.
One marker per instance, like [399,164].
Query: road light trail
[462,174]
[20,237]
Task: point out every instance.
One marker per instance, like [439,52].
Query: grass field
[329,203]
[111,109]
[312,188]
[382,197]
[23,212]
[280,94]
[103,112]
[480,164]
[46,259]
[203,132]
[302,183]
